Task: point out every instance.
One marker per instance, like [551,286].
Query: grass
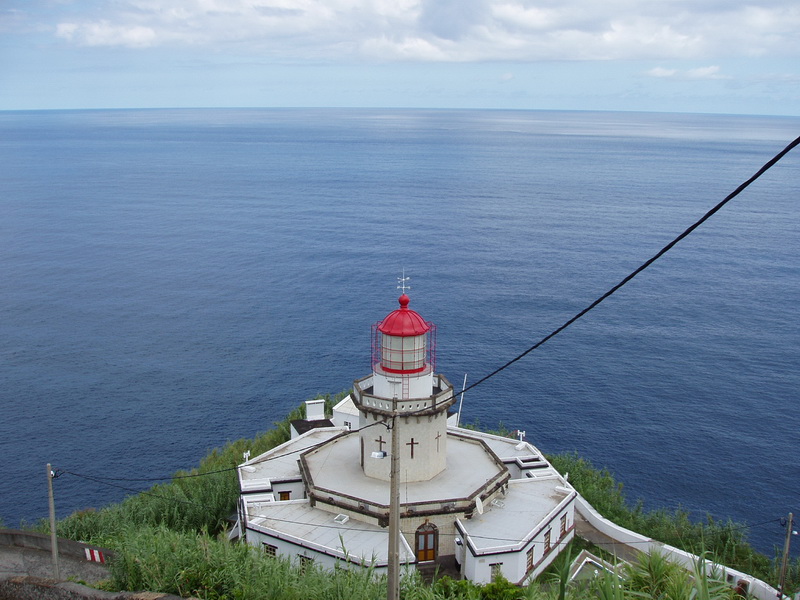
[725,542]
[171,539]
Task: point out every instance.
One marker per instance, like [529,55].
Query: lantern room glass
[405,354]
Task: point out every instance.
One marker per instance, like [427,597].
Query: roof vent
[498,503]
[341,519]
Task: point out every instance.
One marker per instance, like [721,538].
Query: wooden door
[426,542]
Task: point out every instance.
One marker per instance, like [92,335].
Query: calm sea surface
[174,279]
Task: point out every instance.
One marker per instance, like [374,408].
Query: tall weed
[725,541]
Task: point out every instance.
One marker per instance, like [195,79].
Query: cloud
[102,33]
[710,72]
[452,19]
[405,48]
[445,30]
[662,72]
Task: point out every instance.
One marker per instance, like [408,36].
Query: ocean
[175,279]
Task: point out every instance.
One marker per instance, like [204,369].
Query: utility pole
[785,556]
[461,402]
[53,534]
[393,591]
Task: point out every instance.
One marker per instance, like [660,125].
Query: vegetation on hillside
[724,542]
[171,538]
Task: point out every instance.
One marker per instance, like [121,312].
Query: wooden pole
[393,591]
[786,545]
[53,534]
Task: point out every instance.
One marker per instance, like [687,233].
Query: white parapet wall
[635,541]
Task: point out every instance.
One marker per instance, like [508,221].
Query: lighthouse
[477,503]
[403,384]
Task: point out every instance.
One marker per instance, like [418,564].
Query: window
[497,570]
[563,526]
[269,549]
[284,495]
[529,560]
[403,353]
[305,562]
[547,544]
[348,424]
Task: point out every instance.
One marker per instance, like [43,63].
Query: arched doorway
[427,541]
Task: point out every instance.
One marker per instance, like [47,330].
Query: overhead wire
[358,529]
[134,491]
[475,536]
[101,481]
[102,478]
[769,164]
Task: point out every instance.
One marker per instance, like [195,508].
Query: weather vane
[402,281]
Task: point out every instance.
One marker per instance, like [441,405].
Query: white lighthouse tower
[403,383]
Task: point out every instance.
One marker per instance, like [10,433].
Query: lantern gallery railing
[363,397]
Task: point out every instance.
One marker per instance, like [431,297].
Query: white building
[490,504]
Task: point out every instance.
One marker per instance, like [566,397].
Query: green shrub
[171,539]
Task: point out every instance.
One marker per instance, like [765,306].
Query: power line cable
[323,525]
[131,479]
[643,266]
[769,164]
[133,491]
[102,478]
[473,536]
[633,274]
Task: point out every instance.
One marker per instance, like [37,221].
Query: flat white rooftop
[297,522]
[280,463]
[511,520]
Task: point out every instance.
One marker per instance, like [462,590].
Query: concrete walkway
[26,571]
[16,561]
[28,553]
[589,532]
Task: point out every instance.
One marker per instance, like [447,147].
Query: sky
[703,56]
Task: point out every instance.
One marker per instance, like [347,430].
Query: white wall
[346,412]
[291,551]
[756,588]
[326,560]
[295,487]
[514,563]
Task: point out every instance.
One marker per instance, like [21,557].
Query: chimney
[315,410]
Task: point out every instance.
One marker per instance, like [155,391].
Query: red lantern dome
[401,340]
[404,322]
